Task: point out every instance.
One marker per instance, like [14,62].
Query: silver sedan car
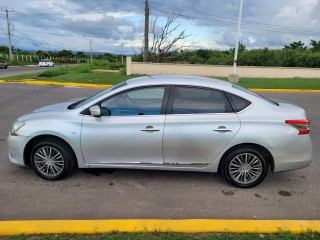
[180,123]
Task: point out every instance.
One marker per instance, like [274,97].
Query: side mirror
[95,111]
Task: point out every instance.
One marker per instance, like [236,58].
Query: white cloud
[211,23]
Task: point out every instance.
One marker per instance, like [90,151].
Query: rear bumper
[297,155]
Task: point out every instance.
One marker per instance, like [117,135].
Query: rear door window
[193,100]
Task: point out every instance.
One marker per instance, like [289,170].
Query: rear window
[237,103]
[255,94]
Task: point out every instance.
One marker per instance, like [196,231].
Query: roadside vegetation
[82,73]
[173,236]
[286,57]
[83,68]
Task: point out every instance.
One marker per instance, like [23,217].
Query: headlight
[15,127]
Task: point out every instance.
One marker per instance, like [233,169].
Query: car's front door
[129,131]
[199,127]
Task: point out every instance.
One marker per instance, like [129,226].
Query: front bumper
[16,146]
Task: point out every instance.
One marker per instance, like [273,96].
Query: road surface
[126,194]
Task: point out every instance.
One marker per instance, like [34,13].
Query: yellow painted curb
[151,225]
[284,90]
[66,84]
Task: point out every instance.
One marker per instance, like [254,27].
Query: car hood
[55,107]
[48,111]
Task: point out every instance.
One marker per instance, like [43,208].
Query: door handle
[222,129]
[150,129]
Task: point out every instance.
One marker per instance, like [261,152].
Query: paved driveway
[110,194]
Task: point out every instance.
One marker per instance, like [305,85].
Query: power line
[274,29]
[232,21]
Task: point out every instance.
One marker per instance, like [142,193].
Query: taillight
[301,125]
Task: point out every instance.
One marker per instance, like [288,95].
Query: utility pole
[4,9]
[234,77]
[90,50]
[146,33]
[237,41]
[122,52]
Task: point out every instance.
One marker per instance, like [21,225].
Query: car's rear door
[199,125]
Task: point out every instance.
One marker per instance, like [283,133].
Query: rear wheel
[52,159]
[245,167]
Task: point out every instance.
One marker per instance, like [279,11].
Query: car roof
[179,80]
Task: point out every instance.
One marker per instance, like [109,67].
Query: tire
[244,167]
[5,67]
[52,159]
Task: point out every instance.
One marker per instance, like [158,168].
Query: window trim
[162,108]
[229,108]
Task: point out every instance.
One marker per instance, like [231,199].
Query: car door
[198,126]
[129,131]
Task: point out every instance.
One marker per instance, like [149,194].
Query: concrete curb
[152,225]
[92,85]
[65,84]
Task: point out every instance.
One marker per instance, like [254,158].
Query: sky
[117,26]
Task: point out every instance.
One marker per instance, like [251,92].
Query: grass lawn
[278,83]
[173,236]
[93,77]
[114,78]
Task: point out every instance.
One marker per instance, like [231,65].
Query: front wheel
[52,159]
[244,167]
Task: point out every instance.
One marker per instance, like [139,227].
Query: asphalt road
[17,70]
[148,194]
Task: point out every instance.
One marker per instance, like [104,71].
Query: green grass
[93,77]
[82,68]
[278,83]
[173,236]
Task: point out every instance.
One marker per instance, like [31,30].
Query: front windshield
[84,101]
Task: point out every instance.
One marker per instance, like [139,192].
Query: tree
[315,45]
[241,48]
[295,46]
[65,53]
[4,49]
[165,42]
[41,54]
